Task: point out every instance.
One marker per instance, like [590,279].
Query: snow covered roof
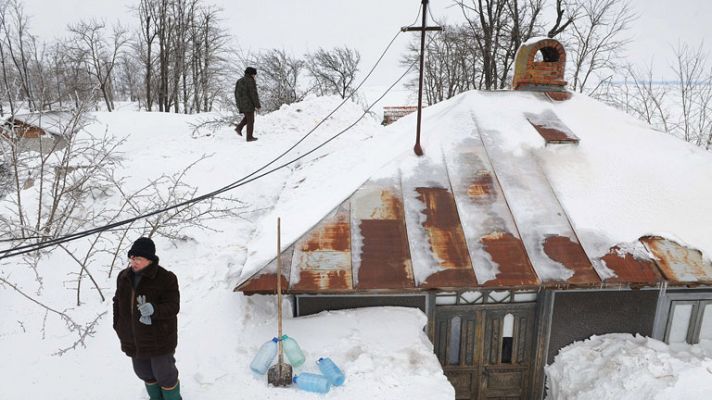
[56,123]
[494,203]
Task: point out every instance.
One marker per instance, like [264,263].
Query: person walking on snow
[146,306]
[247,102]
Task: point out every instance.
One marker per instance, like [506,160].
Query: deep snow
[384,353]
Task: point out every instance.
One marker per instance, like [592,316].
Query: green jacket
[246,96]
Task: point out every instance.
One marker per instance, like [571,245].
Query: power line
[24,249]
[243,181]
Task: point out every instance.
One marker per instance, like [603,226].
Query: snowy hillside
[219,331]
[384,352]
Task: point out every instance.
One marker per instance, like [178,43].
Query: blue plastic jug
[292,351]
[331,371]
[312,382]
[263,359]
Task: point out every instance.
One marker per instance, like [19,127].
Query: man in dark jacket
[146,306]
[247,102]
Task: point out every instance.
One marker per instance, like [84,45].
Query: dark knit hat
[250,71]
[143,247]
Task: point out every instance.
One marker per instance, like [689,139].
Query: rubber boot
[154,391]
[172,393]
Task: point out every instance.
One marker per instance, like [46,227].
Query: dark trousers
[161,369]
[249,120]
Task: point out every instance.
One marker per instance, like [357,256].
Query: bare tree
[597,38]
[333,71]
[182,48]
[694,87]
[681,107]
[279,78]
[565,15]
[17,44]
[99,53]
[497,28]
[209,58]
[147,11]
[451,66]
[638,94]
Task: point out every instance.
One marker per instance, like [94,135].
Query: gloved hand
[146,310]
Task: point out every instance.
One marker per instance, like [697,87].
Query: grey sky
[368,25]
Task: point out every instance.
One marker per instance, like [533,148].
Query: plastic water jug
[263,359]
[312,382]
[331,371]
[292,351]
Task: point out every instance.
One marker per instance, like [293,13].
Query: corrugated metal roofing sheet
[551,128]
[381,254]
[631,270]
[474,217]
[437,242]
[497,251]
[548,237]
[679,264]
[322,258]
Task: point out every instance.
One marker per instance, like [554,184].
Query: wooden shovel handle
[279,289]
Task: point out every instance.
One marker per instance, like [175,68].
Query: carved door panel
[486,350]
[455,345]
[508,352]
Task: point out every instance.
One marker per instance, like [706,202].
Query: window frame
[663,315]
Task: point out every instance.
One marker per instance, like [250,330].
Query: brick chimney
[539,66]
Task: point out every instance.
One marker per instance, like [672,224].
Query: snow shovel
[279,374]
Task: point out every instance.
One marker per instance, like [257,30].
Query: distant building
[45,131]
[392,114]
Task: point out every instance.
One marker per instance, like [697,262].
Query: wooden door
[486,350]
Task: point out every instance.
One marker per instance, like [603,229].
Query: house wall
[307,305]
[579,314]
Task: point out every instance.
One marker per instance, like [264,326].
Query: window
[706,323]
[453,344]
[684,318]
[507,341]
[680,313]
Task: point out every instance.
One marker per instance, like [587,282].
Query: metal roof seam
[504,195]
[568,220]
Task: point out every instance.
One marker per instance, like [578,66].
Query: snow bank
[621,366]
[383,351]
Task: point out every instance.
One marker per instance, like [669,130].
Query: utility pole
[422,29]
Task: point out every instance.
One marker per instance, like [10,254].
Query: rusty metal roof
[551,128]
[471,217]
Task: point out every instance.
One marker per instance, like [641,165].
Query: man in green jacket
[247,101]
[146,306]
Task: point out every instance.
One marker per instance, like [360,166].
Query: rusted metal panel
[265,282]
[630,270]
[437,243]
[547,234]
[497,252]
[446,239]
[380,252]
[559,96]
[570,253]
[551,128]
[679,264]
[507,251]
[322,257]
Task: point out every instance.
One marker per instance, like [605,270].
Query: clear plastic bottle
[331,371]
[263,359]
[292,351]
[312,382]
